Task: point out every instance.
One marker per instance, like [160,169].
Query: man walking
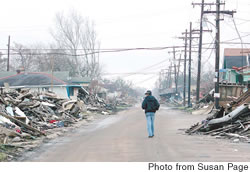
[150,105]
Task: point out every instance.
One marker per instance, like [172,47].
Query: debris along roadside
[26,118]
[231,121]
[234,125]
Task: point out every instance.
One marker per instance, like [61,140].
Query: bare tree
[77,37]
[39,58]
[3,62]
[91,45]
[23,57]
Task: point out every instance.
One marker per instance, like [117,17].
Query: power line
[210,55]
[159,63]
[237,38]
[107,50]
[104,49]
[132,73]
[240,40]
[242,19]
[209,47]
[145,80]
[91,53]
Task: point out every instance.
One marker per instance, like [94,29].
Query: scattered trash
[60,124]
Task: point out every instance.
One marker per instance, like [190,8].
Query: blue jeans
[150,123]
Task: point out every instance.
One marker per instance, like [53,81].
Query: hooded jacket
[150,104]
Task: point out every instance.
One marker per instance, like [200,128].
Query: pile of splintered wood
[23,112]
[235,125]
[94,102]
[26,115]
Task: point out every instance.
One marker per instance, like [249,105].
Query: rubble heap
[235,125]
[244,98]
[26,115]
[95,103]
[34,113]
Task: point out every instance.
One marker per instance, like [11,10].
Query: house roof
[64,76]
[5,74]
[236,51]
[78,80]
[30,79]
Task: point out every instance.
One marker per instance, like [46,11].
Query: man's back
[150,104]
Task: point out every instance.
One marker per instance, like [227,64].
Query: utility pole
[185,63]
[178,72]
[199,55]
[165,77]
[175,71]
[170,76]
[190,38]
[189,65]
[217,48]
[175,66]
[160,81]
[217,54]
[8,60]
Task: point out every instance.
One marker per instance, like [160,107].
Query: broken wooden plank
[25,96]
[68,105]
[198,127]
[22,123]
[218,129]
[224,130]
[228,118]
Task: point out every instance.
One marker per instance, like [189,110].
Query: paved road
[123,137]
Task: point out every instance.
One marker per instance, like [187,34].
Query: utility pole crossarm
[205,4]
[189,37]
[202,30]
[221,12]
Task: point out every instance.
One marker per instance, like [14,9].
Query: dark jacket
[150,104]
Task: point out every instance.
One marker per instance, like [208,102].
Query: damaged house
[40,82]
[235,75]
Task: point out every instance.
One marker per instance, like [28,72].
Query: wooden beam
[22,123]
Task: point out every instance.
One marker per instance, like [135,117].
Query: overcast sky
[122,24]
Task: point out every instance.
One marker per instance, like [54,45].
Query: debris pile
[244,98]
[234,125]
[26,115]
[105,106]
[205,101]
[95,103]
[33,112]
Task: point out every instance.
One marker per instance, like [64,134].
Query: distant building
[236,66]
[236,57]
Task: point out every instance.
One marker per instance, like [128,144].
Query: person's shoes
[150,136]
